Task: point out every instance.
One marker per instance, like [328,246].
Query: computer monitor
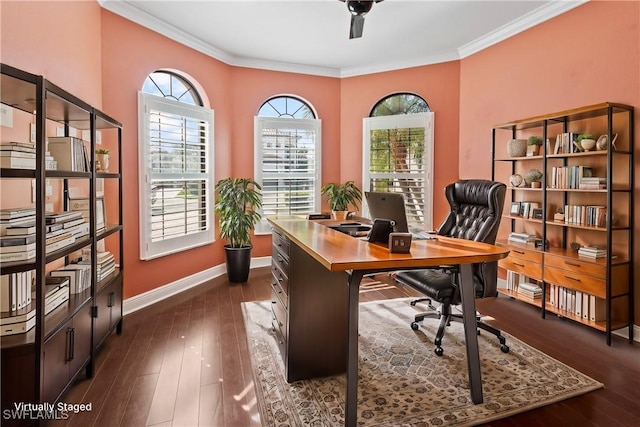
[388,206]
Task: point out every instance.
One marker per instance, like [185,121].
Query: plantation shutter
[287,161]
[176,176]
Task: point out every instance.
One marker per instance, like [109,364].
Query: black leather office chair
[476,207]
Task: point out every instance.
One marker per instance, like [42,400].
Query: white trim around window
[175,151]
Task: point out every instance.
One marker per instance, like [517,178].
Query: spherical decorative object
[516,180]
[517,147]
[588,144]
[602,142]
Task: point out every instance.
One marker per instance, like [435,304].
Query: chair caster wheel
[477,331]
[414,326]
[504,348]
[438,351]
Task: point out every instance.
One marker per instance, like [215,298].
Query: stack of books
[18,322]
[530,290]
[18,155]
[106,264]
[593,183]
[63,228]
[17,234]
[79,276]
[56,292]
[522,237]
[592,252]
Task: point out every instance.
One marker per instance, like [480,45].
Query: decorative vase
[517,147]
[588,144]
[102,162]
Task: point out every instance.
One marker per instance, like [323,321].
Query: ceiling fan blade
[357,24]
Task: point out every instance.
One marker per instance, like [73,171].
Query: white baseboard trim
[145,299]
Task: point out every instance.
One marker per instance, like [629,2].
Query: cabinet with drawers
[309,311]
[585,200]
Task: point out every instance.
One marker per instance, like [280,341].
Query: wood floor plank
[193,365]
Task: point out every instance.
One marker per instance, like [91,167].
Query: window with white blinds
[398,157]
[287,166]
[176,176]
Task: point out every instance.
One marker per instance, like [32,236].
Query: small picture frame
[524,209]
[101,214]
[515,209]
[536,213]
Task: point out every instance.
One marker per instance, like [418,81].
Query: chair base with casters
[440,283]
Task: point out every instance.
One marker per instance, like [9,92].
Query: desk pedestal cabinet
[309,311]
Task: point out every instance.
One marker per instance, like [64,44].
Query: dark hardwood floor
[184,362]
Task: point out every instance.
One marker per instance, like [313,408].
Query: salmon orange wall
[60,40]
[586,56]
[439,85]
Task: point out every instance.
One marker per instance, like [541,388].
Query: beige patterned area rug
[402,382]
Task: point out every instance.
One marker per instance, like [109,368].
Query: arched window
[287,157]
[176,168]
[398,153]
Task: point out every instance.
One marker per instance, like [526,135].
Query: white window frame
[149,249]
[416,120]
[314,125]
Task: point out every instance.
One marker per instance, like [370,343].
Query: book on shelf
[15,213]
[17,316]
[20,230]
[18,248]
[521,237]
[60,217]
[17,256]
[592,252]
[70,153]
[79,276]
[17,163]
[27,147]
[51,247]
[597,309]
[17,154]
[19,327]
[17,240]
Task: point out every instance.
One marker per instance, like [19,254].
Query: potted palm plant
[340,197]
[237,204]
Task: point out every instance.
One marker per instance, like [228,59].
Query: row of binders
[580,304]
[520,284]
[22,318]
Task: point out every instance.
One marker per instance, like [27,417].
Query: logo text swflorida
[44,411]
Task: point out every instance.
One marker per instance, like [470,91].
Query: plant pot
[339,215]
[102,162]
[533,150]
[536,184]
[238,262]
[517,147]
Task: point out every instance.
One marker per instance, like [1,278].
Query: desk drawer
[279,315]
[280,242]
[276,289]
[523,266]
[280,277]
[518,252]
[575,265]
[574,280]
[280,260]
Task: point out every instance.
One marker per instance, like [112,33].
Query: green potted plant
[586,142]
[237,206]
[533,178]
[533,145]
[102,159]
[340,197]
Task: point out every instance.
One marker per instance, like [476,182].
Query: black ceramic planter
[238,263]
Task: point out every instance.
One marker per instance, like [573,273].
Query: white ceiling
[312,36]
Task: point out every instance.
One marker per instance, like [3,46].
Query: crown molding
[542,14]
[531,19]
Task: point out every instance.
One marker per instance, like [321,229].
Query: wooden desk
[315,246]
